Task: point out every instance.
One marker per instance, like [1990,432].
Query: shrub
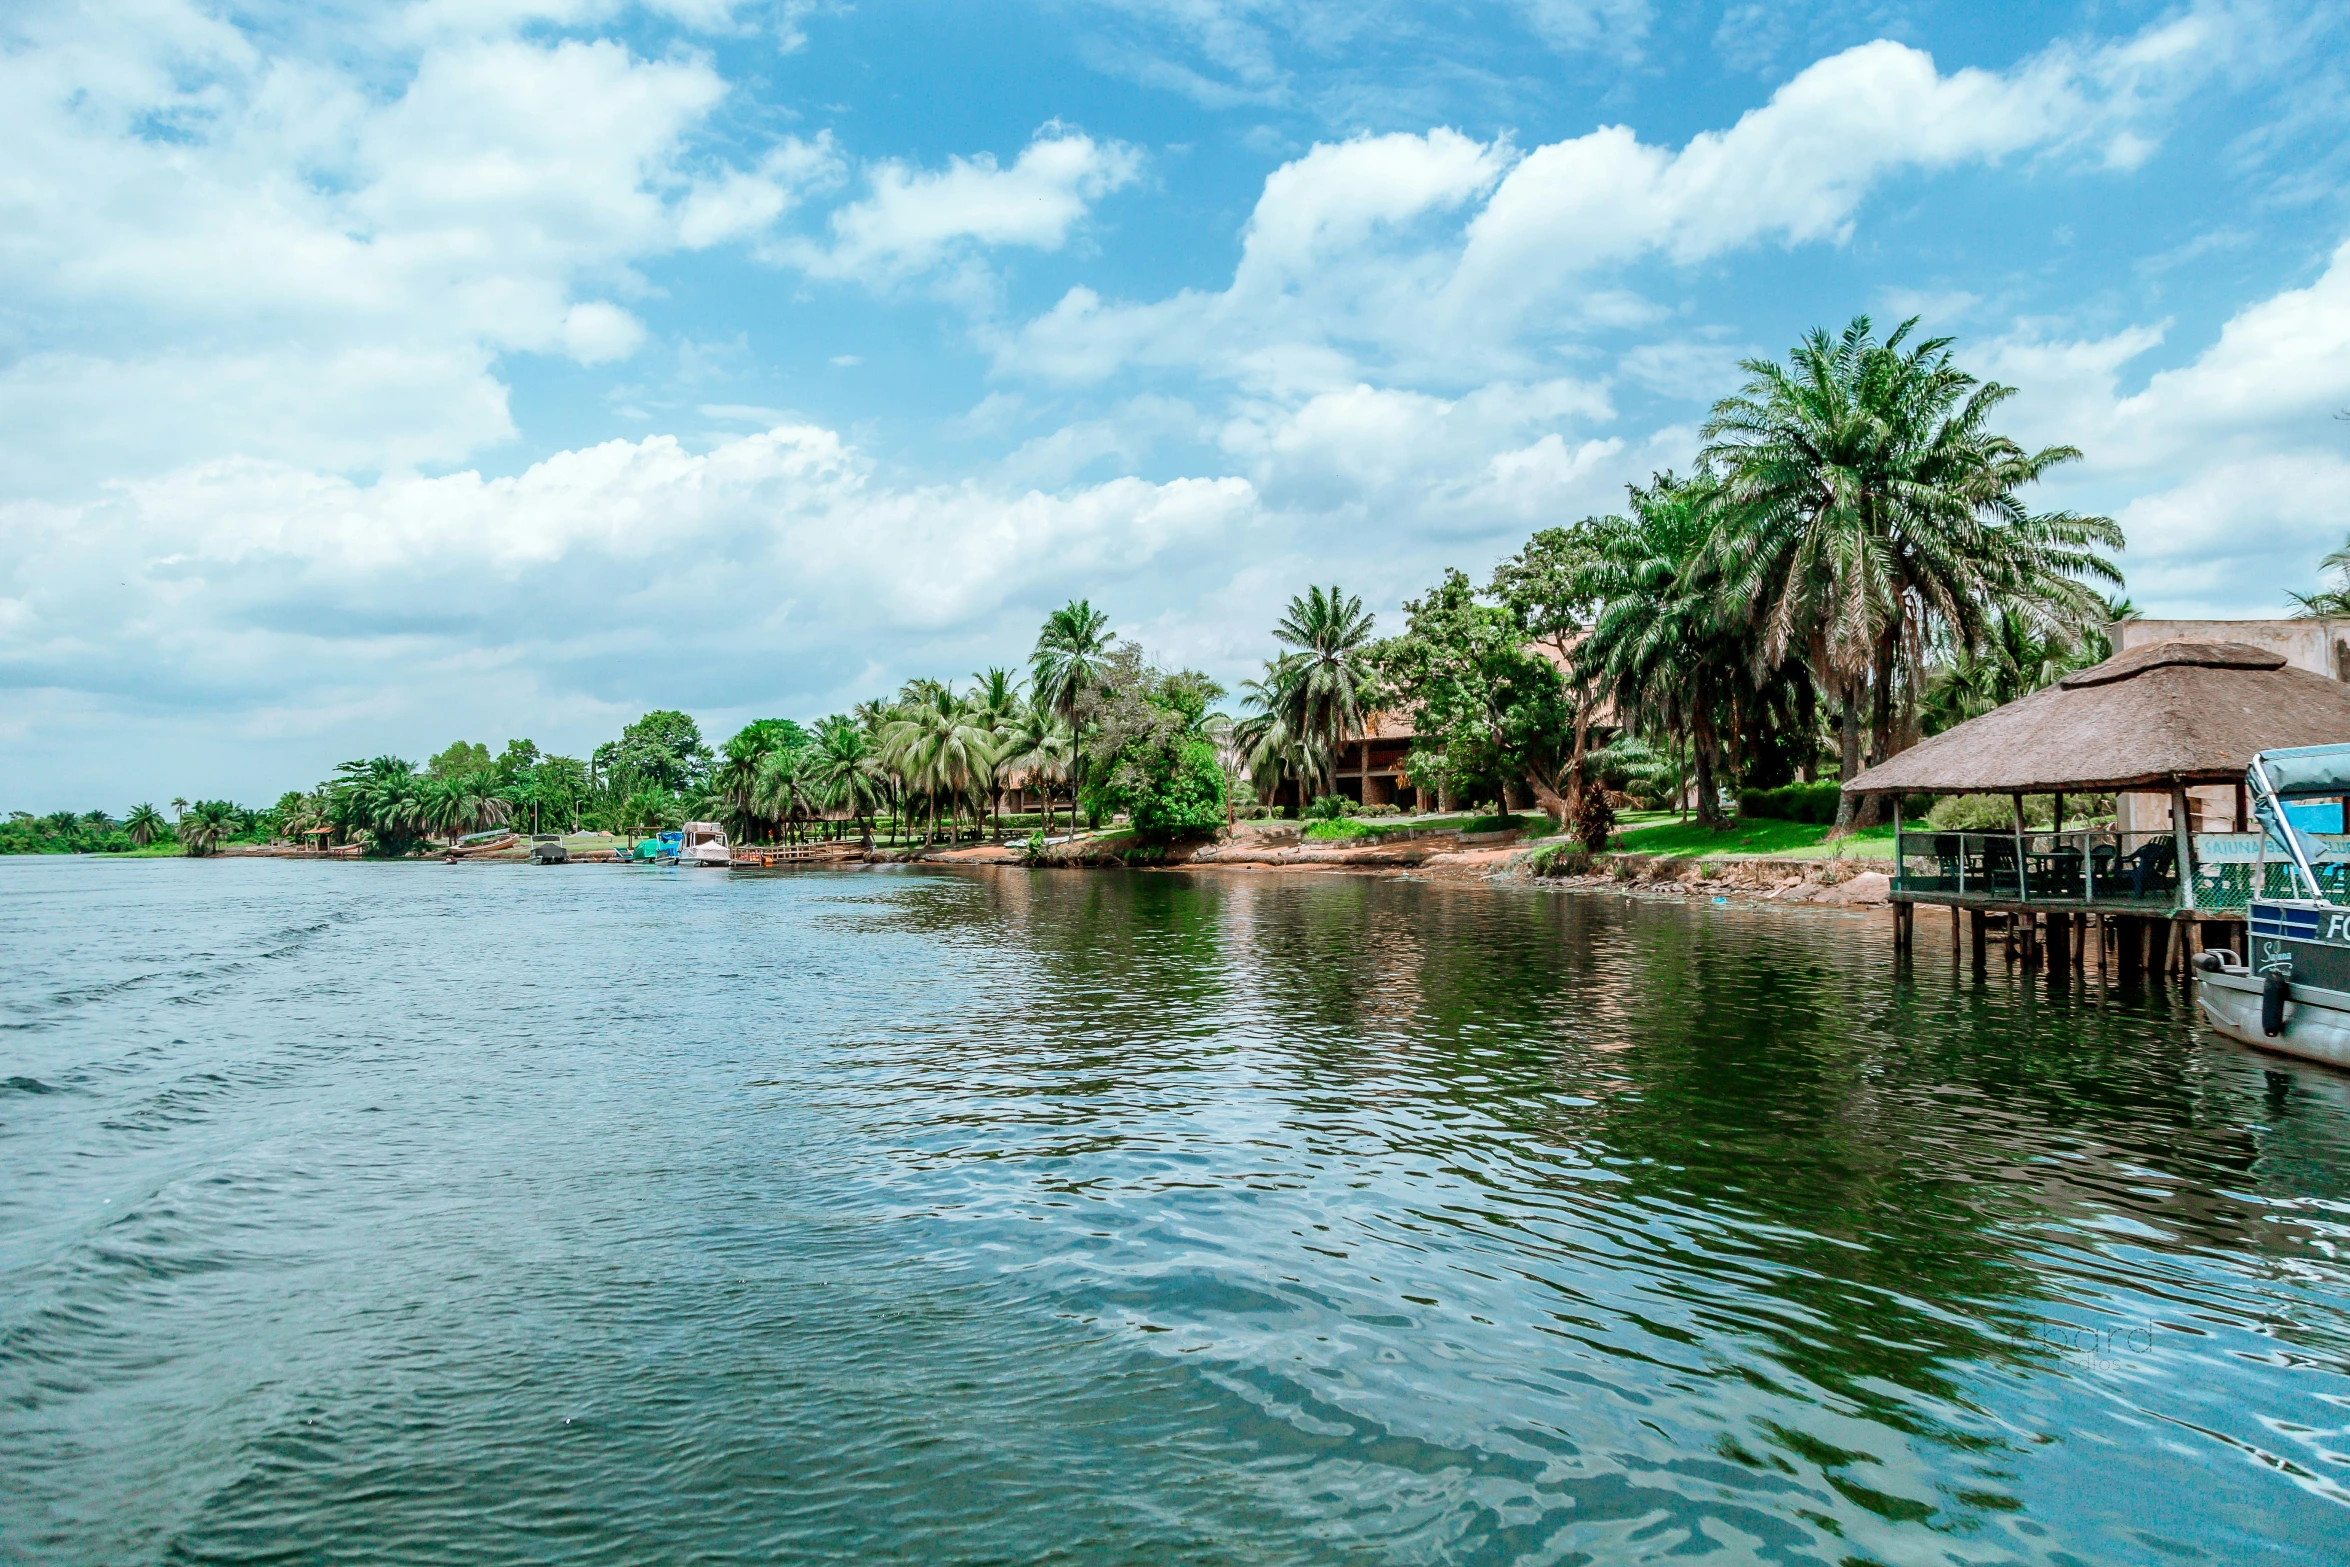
[1330,807]
[1338,829]
[1382,810]
[1561,859]
[1810,803]
[1595,820]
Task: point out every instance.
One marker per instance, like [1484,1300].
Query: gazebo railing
[2073,868]
[2081,867]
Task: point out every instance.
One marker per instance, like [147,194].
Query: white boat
[2290,992]
[704,843]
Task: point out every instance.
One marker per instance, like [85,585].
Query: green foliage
[1330,807]
[1487,710]
[460,760]
[1814,803]
[1148,748]
[1338,829]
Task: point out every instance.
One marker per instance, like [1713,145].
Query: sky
[374,376]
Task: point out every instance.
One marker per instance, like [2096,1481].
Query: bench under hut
[2154,721]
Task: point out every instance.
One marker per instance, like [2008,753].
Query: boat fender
[2272,1005]
[2209,963]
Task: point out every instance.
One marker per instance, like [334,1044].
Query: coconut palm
[1273,753]
[939,745]
[145,824]
[1326,677]
[781,791]
[1037,749]
[843,773]
[996,705]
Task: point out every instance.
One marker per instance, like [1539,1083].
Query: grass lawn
[1778,840]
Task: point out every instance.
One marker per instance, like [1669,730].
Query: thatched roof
[2170,712]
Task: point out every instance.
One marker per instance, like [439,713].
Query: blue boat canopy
[2307,771]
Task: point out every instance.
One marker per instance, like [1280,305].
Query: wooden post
[2022,883]
[1955,914]
[2126,951]
[2186,844]
[2239,805]
[2158,940]
[2060,956]
[2080,939]
[1978,924]
[2104,931]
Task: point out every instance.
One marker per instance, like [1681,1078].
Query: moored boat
[703,843]
[546,848]
[2290,990]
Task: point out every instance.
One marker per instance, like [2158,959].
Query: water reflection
[1012,1215]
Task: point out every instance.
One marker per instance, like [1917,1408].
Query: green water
[421,1214]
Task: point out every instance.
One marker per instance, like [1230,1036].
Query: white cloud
[2228,471]
[1351,260]
[598,332]
[915,217]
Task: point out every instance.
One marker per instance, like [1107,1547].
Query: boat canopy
[2307,771]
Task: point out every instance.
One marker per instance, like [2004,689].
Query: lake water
[417,1214]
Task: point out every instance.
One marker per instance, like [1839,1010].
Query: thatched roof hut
[2154,718]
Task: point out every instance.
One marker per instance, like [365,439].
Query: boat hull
[2317,1021]
[707,854]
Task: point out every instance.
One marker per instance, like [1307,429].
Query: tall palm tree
[940,747]
[844,773]
[1669,646]
[1072,648]
[1327,676]
[145,824]
[1274,754]
[1865,505]
[179,807]
[996,704]
[781,790]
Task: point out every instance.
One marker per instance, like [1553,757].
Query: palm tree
[1037,748]
[179,808]
[996,704]
[1865,505]
[1274,754]
[145,824]
[1326,679]
[844,774]
[780,792]
[1071,650]
[939,746]
[202,828]
[1668,644]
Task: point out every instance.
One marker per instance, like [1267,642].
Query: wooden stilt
[2060,945]
[1978,924]
[2158,941]
[1956,914]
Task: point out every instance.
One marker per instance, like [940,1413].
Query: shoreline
[1837,883]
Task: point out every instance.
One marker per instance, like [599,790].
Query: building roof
[2180,711]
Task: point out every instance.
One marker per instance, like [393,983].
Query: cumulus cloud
[913,217]
[2229,468]
[1349,258]
[759,569]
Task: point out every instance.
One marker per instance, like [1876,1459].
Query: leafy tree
[939,744]
[1553,587]
[1488,710]
[1070,652]
[663,749]
[462,759]
[1037,751]
[1151,738]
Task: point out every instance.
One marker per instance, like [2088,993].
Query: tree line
[1849,563]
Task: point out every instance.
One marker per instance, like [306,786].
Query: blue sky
[375,376]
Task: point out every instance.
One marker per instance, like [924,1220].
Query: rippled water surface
[427,1214]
